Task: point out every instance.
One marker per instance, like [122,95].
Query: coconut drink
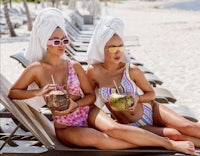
[58,100]
[120,102]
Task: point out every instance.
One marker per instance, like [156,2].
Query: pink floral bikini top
[73,83]
[79,116]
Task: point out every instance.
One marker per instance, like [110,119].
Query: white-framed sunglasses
[57,42]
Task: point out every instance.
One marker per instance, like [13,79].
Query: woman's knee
[172,134]
[180,134]
[190,127]
[102,121]
[113,129]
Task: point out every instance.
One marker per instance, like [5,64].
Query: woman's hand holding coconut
[58,100]
[45,90]
[136,101]
[72,107]
[123,102]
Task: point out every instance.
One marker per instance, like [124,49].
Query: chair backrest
[36,122]
[20,57]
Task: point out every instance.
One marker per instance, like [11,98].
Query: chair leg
[9,138]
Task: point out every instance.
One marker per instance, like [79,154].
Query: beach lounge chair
[76,33]
[71,26]
[83,21]
[162,95]
[43,130]
[21,59]
[162,92]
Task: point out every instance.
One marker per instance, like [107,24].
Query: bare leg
[172,134]
[89,137]
[166,117]
[134,135]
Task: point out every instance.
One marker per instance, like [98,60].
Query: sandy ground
[169,45]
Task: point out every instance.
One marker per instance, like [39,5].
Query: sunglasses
[57,42]
[113,50]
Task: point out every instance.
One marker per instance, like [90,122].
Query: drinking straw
[52,79]
[116,87]
[56,88]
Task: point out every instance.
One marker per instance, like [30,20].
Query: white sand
[169,46]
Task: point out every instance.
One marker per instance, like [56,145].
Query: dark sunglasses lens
[66,41]
[56,42]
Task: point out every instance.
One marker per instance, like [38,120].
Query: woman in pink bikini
[46,53]
[107,64]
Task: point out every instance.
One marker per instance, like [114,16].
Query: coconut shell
[120,102]
[58,100]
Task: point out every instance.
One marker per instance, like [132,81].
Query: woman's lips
[117,58]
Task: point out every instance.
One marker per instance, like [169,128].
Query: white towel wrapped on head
[44,25]
[104,30]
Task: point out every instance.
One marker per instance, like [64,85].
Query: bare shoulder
[75,63]
[134,70]
[34,66]
[77,66]
[97,66]
[31,72]
[94,68]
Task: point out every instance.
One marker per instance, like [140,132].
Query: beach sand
[169,45]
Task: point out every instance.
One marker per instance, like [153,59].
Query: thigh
[71,136]
[90,137]
[100,120]
[164,116]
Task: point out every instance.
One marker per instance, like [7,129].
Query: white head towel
[104,30]
[45,24]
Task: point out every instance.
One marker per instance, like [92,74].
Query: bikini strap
[129,78]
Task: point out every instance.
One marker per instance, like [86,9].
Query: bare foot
[186,147]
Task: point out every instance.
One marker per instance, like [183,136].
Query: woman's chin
[117,61]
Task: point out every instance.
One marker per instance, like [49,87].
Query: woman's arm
[89,94]
[90,73]
[19,88]
[138,77]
